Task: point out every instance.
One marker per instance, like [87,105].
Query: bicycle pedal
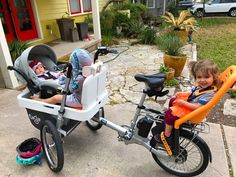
[166,145]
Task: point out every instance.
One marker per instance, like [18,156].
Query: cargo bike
[190,153]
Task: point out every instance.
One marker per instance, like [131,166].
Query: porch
[63,49]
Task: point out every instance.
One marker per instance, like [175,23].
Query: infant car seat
[26,75]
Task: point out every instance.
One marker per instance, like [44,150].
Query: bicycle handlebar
[103,51]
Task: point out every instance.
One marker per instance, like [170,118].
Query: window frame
[154,4]
[82,11]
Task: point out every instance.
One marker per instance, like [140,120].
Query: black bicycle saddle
[153,81]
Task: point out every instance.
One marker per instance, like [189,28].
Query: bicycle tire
[175,167]
[49,131]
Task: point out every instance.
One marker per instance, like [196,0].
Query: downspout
[164,7]
[5,60]
[96,20]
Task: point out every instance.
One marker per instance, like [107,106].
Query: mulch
[216,114]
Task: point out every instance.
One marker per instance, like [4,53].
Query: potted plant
[182,24]
[170,72]
[171,45]
[66,25]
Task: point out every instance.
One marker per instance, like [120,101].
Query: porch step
[63,49]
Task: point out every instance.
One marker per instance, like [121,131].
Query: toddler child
[206,76]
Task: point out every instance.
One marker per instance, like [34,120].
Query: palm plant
[185,21]
[170,44]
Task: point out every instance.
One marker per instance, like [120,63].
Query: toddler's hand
[180,102]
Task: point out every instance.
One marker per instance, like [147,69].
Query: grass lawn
[216,40]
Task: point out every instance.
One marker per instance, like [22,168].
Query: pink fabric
[169,118]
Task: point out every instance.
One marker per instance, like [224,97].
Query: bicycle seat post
[139,107]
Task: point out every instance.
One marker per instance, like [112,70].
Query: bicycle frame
[128,134]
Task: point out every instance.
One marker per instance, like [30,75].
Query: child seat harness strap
[199,91]
[47,76]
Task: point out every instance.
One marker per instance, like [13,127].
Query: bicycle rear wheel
[192,160]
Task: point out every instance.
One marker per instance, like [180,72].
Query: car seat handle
[69,70]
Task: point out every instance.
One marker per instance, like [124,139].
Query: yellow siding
[48,12]
[102,4]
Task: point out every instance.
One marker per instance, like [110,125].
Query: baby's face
[39,70]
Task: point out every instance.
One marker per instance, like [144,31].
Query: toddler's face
[204,80]
[39,70]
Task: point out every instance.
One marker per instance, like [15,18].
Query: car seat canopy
[41,52]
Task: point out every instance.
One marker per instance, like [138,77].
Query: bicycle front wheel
[52,146]
[192,159]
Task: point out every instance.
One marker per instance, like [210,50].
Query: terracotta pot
[170,74]
[183,35]
[175,62]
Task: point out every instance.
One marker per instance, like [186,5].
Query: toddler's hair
[206,67]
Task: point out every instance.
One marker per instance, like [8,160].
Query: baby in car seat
[44,74]
[79,58]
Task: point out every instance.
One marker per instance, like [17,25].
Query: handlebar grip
[113,51]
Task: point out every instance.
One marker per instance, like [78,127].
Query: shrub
[172,8]
[120,19]
[16,48]
[137,10]
[170,44]
[232,93]
[106,20]
[164,69]
[171,83]
[108,40]
[148,36]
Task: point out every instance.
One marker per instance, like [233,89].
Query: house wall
[102,4]
[158,10]
[47,15]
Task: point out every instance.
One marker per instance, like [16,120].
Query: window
[227,1]
[87,5]
[75,7]
[215,1]
[80,6]
[150,3]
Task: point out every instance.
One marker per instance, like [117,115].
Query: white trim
[85,13]
[164,7]
[96,20]
[5,60]
[36,19]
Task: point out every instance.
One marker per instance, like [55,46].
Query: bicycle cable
[127,48]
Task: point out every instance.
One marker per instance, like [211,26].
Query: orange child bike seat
[228,79]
